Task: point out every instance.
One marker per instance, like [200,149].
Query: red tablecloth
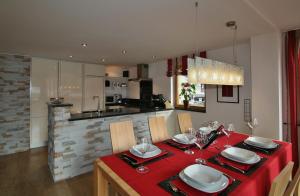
[257,183]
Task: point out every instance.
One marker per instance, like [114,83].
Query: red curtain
[184,64]
[291,75]
[170,68]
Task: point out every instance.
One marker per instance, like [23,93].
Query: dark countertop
[113,112]
[59,104]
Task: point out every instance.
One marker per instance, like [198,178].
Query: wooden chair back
[281,181]
[185,121]
[158,129]
[122,136]
[294,186]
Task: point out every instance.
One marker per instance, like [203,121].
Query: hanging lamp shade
[207,71]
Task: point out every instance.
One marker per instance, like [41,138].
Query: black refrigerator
[146,91]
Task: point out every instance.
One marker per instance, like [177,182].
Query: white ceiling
[164,28]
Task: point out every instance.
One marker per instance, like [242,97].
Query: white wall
[222,112]
[161,83]
[266,84]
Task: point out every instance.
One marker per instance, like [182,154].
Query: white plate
[261,142]
[183,139]
[241,155]
[207,189]
[203,175]
[151,152]
[205,129]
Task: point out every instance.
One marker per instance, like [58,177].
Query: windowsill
[191,108]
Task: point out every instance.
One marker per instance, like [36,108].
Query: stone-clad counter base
[74,145]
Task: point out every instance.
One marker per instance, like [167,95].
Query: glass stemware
[229,130]
[190,134]
[201,141]
[144,147]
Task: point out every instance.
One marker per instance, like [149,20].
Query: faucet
[98,107]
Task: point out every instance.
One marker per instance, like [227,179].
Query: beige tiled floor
[27,174]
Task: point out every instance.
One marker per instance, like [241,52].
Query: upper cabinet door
[71,84]
[94,86]
[44,85]
[94,70]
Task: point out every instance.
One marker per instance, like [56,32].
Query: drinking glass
[190,134]
[144,143]
[201,141]
[229,130]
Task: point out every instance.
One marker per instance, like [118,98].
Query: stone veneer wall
[74,145]
[14,103]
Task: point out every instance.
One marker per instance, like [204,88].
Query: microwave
[109,99]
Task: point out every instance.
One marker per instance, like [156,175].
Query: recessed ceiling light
[124,51]
[70,56]
[103,59]
[84,45]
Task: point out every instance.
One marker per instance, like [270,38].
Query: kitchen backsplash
[14,104]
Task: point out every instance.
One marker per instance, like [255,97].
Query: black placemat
[251,170]
[178,146]
[130,162]
[165,185]
[257,149]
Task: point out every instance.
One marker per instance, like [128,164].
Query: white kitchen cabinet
[44,85]
[70,85]
[93,86]
[94,70]
[133,90]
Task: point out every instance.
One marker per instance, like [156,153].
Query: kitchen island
[76,140]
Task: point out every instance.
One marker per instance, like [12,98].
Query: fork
[226,164]
[176,190]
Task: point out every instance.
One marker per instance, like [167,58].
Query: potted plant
[187,92]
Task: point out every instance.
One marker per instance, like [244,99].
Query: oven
[109,99]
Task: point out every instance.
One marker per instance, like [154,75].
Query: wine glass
[229,130]
[190,134]
[144,147]
[253,125]
[201,141]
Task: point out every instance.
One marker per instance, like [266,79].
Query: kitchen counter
[113,112]
[76,140]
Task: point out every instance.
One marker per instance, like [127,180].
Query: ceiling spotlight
[103,59]
[84,45]
[70,56]
[124,51]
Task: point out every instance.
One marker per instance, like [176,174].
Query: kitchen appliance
[142,73]
[117,97]
[146,90]
[107,83]
[109,99]
[158,101]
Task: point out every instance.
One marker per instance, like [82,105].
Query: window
[198,101]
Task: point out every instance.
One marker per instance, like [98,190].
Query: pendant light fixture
[207,71]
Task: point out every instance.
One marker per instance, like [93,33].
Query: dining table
[120,173]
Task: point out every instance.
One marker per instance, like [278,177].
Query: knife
[257,148]
[228,165]
[129,158]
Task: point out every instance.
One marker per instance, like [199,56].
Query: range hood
[142,73]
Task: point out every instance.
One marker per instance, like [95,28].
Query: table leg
[100,182]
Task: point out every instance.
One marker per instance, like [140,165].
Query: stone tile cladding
[14,103]
[74,145]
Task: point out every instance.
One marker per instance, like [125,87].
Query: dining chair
[158,129]
[280,183]
[185,121]
[294,186]
[122,136]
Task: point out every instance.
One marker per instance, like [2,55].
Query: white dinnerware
[184,139]
[143,151]
[261,142]
[203,175]
[206,130]
[220,185]
[241,155]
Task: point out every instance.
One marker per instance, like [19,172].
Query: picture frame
[228,94]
